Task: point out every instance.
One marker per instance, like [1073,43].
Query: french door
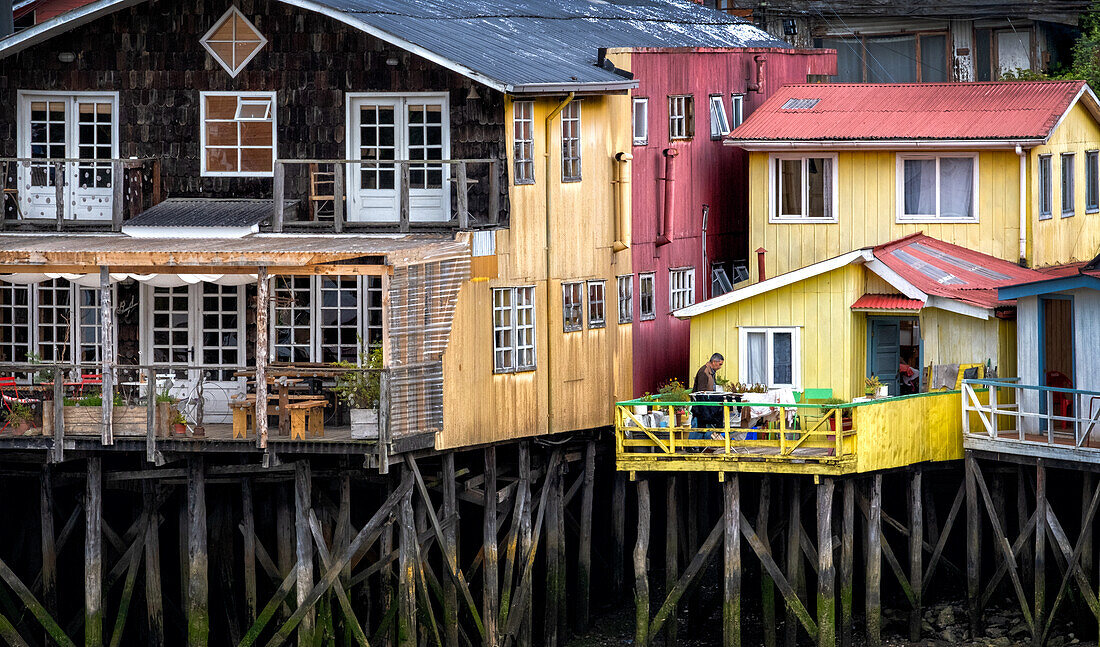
[60,126]
[384,128]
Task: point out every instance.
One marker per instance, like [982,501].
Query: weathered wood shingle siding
[151,55]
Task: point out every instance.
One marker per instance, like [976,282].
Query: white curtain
[756,356]
[956,187]
[155,280]
[920,187]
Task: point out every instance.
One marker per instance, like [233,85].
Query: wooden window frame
[1068,184]
[737,112]
[863,38]
[522,357]
[571,162]
[1045,181]
[203,171]
[719,119]
[363,308]
[231,70]
[645,314]
[624,285]
[774,208]
[681,116]
[597,303]
[572,306]
[640,139]
[1092,181]
[902,218]
[523,119]
[681,288]
[769,345]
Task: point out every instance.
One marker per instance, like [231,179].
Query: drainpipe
[760,263]
[1023,205]
[703,270]
[622,201]
[548,314]
[663,237]
[758,84]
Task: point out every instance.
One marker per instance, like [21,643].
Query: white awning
[156,280]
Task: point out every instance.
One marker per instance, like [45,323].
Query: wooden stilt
[341,540]
[93,555]
[182,553]
[554,561]
[248,526]
[406,588]
[767,586]
[618,530]
[154,600]
[874,564]
[731,563]
[694,567]
[794,558]
[563,558]
[198,613]
[303,497]
[49,548]
[584,542]
[847,558]
[491,584]
[916,552]
[525,537]
[826,585]
[641,570]
[450,548]
[107,327]
[262,284]
[973,550]
[1039,612]
[386,578]
[1023,556]
[672,566]
[1086,540]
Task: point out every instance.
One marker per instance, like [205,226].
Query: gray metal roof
[517,46]
[204,212]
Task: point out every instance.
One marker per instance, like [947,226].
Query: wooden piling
[584,542]
[406,586]
[731,563]
[847,559]
[284,536]
[1086,618]
[303,498]
[874,564]
[48,539]
[973,551]
[795,576]
[198,612]
[826,586]
[555,561]
[641,571]
[450,544]
[93,554]
[490,589]
[385,542]
[767,585]
[154,599]
[672,566]
[107,327]
[916,552]
[526,546]
[248,527]
[262,284]
[618,530]
[1039,613]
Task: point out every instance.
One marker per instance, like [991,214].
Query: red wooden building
[690,204]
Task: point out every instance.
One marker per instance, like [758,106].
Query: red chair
[8,384]
[90,379]
[1063,402]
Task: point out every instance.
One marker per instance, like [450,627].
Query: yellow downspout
[549,311]
[622,201]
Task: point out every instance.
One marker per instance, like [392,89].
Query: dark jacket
[704,380]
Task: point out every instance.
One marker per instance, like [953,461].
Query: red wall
[707,173]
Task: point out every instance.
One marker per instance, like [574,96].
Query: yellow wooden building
[1006,169]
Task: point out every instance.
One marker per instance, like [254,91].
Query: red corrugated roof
[849,111]
[887,302]
[942,269]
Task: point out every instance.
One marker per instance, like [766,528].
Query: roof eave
[768,145]
[603,87]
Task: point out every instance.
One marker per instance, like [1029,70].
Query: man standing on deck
[704,378]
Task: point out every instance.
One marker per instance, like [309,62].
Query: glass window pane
[933,59]
[820,177]
[756,358]
[790,187]
[920,187]
[892,60]
[782,362]
[956,187]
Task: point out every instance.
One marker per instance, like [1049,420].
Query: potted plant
[721,383]
[872,386]
[360,390]
[827,407]
[20,418]
[675,391]
[642,409]
[179,424]
[42,376]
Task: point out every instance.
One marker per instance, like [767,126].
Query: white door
[385,128]
[57,127]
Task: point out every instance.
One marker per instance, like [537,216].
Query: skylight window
[233,41]
[800,104]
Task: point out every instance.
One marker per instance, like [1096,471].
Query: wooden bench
[307,413]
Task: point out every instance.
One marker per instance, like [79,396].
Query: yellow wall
[866,212]
[952,338]
[1077,238]
[908,430]
[590,368]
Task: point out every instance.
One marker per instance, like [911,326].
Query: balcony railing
[68,193]
[1031,415]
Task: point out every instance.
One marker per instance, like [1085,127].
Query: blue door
[884,350]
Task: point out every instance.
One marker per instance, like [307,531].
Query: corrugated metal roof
[514,46]
[905,111]
[887,302]
[204,212]
[945,270]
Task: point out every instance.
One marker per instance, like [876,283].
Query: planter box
[127,420]
[364,424]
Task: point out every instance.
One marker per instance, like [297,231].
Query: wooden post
[107,321]
[198,611]
[385,544]
[526,545]
[563,559]
[59,193]
[406,588]
[463,193]
[672,548]
[261,357]
[403,203]
[248,526]
[641,571]
[338,198]
[553,560]
[384,405]
[494,191]
[151,415]
[1086,618]
[93,555]
[618,531]
[490,584]
[731,607]
[303,496]
[277,195]
[584,543]
[916,552]
[874,564]
[767,585]
[156,197]
[57,452]
[154,605]
[49,548]
[117,195]
[795,575]
[826,586]
[1040,551]
[973,554]
[847,558]
[450,543]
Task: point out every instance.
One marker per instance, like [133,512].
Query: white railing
[1044,415]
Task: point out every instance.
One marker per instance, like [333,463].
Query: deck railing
[1032,414]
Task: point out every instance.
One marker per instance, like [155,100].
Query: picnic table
[297,412]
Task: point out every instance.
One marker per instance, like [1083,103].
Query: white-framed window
[937,188]
[523,134]
[737,114]
[770,356]
[647,296]
[233,41]
[1092,181]
[1069,206]
[238,134]
[597,304]
[187,325]
[803,188]
[571,142]
[641,121]
[719,122]
[681,287]
[67,125]
[1046,189]
[625,285]
[513,329]
[56,320]
[572,306]
[324,318]
[681,116]
[15,322]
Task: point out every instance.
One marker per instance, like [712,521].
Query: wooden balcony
[876,435]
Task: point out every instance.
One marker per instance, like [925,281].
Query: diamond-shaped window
[233,41]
